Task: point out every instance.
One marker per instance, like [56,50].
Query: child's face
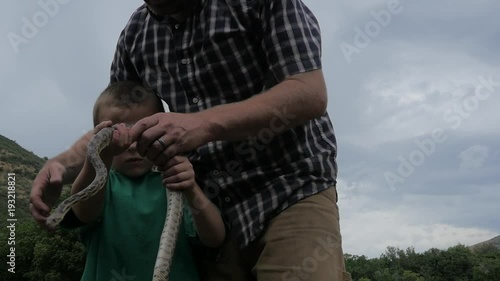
[129,163]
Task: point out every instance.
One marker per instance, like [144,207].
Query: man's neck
[181,16]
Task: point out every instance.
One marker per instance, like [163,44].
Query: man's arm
[296,100]
[59,170]
[291,42]
[74,158]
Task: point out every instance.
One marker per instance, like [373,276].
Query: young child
[124,221]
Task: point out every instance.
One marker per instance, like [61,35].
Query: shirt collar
[158,18]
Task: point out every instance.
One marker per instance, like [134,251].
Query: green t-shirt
[123,243]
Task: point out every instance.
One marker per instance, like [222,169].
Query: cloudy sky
[414,92]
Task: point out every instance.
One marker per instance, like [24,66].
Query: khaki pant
[302,243]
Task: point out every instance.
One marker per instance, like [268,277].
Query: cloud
[473,157]
[44,119]
[369,226]
[417,97]
[427,61]
[379,229]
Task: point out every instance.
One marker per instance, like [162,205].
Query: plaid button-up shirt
[229,51]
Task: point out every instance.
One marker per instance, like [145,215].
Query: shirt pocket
[228,55]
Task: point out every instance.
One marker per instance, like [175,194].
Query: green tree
[43,256]
[411,276]
[383,274]
[456,262]
[357,266]
[487,263]
[430,265]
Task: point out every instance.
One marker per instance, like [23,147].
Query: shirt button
[185,61]
[227,199]
[196,100]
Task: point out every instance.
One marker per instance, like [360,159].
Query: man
[244,83]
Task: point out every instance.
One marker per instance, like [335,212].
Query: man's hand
[47,186]
[163,135]
[45,191]
[120,141]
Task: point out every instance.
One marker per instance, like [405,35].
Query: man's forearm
[293,102]
[73,158]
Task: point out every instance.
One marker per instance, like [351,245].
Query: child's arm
[206,217]
[179,176]
[89,210]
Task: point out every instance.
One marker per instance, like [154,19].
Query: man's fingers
[55,176]
[137,131]
[36,197]
[164,158]
[102,125]
[171,151]
[121,136]
[39,218]
[45,191]
[156,151]
[39,206]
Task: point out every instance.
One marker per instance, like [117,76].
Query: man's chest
[210,59]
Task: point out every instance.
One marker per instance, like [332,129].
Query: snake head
[51,222]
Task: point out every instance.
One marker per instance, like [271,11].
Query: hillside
[25,164]
[494,241]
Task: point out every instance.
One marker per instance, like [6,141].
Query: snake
[173,218]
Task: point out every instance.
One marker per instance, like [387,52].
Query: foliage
[39,255]
[25,164]
[59,256]
[43,256]
[457,263]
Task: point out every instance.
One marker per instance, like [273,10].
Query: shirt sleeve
[291,37]
[122,68]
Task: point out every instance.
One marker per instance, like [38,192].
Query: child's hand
[120,141]
[178,174]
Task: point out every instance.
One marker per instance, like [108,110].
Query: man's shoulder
[136,19]
[139,13]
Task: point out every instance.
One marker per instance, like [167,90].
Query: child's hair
[125,94]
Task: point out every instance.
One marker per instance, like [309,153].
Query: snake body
[174,208]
